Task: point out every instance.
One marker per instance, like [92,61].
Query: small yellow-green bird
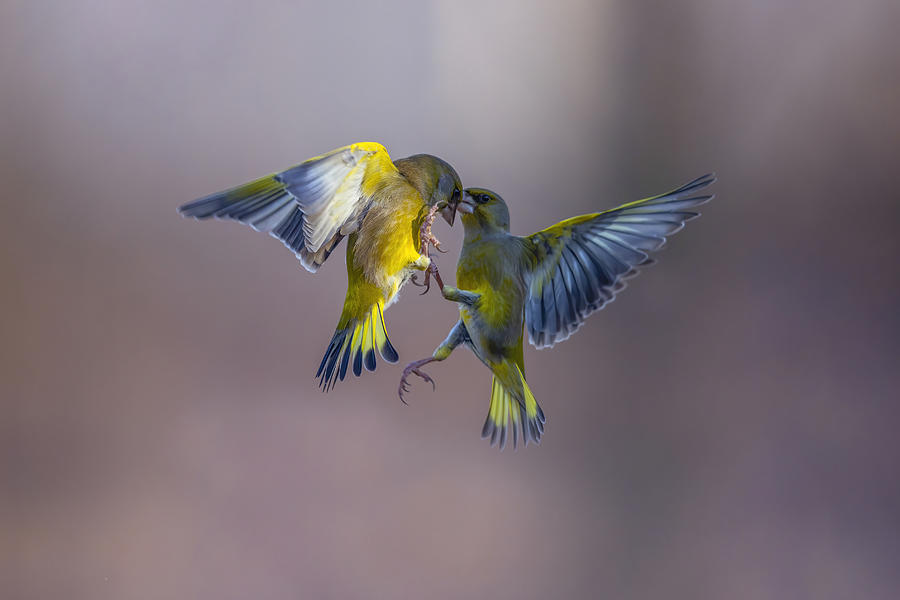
[385,209]
[547,282]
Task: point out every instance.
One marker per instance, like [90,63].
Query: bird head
[435,180]
[483,209]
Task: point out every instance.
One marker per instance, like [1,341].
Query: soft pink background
[726,429]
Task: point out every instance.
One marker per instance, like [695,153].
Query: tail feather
[385,348]
[353,346]
[523,413]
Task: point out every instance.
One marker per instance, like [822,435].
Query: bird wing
[309,207]
[578,265]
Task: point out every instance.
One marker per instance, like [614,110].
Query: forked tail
[354,342]
[506,407]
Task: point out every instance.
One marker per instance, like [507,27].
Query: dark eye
[483,199]
[455,195]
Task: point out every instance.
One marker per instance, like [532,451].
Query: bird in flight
[385,209]
[548,283]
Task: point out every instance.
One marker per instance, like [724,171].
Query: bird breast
[386,247]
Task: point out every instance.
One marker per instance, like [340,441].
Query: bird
[547,283]
[385,208]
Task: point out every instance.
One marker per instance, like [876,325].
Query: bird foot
[426,237]
[432,270]
[410,369]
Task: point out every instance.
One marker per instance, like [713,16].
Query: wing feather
[309,207]
[581,263]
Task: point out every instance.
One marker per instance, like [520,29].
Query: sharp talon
[434,242]
[432,269]
[413,368]
[404,387]
[427,378]
[415,281]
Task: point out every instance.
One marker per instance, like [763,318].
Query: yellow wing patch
[334,190]
[309,207]
[581,263]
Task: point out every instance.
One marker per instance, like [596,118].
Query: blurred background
[726,429]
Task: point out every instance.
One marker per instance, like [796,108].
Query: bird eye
[455,195]
[483,198]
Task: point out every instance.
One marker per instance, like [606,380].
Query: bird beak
[449,213]
[466,206]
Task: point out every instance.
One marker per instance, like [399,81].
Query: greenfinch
[548,283]
[385,209]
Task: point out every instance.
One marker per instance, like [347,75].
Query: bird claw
[427,284]
[426,237]
[413,369]
[431,270]
[437,244]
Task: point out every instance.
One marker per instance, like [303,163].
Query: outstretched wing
[581,263]
[309,207]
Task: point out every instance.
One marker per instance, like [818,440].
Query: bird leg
[458,335]
[411,368]
[426,237]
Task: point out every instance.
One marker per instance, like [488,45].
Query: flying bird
[384,208]
[548,283]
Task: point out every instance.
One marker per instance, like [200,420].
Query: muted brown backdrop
[725,429]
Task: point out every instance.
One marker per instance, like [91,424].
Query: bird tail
[518,407]
[354,342]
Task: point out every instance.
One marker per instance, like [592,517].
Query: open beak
[449,213]
[465,205]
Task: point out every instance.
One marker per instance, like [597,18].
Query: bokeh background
[726,429]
